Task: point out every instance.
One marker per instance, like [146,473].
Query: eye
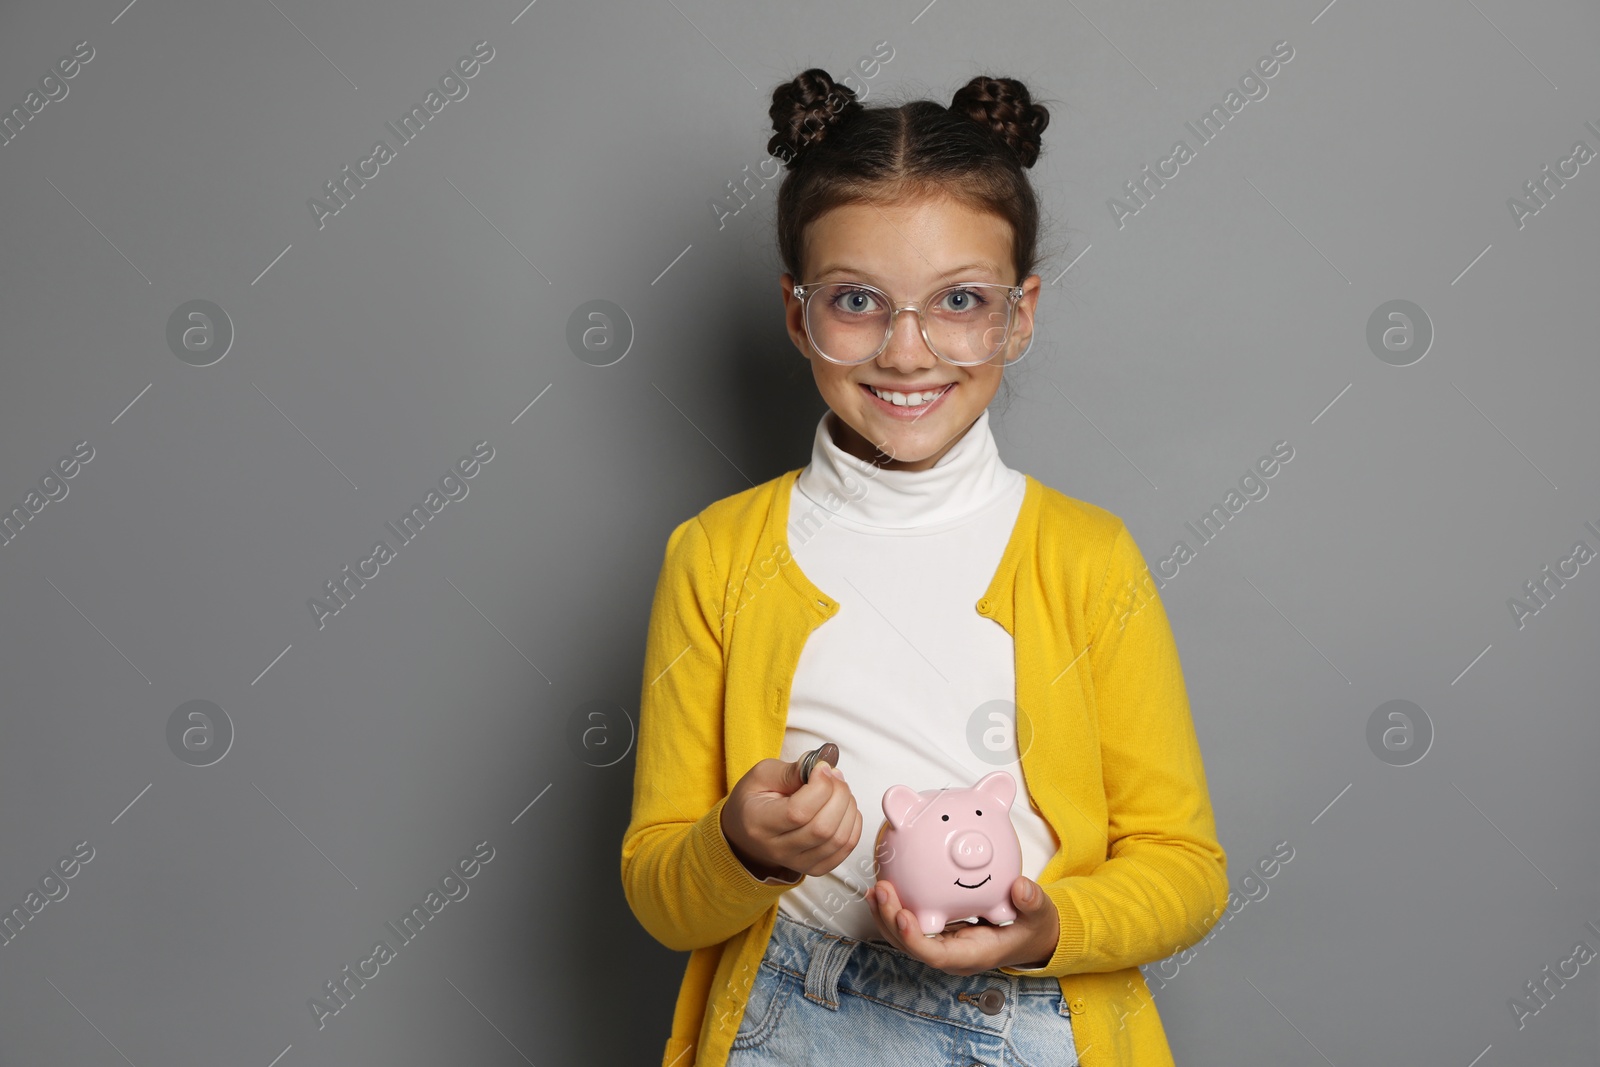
[854,301]
[980,813]
[961,300]
[946,818]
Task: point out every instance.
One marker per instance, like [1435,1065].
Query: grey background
[1228,314]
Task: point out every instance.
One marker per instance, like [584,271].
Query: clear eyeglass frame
[1013,293]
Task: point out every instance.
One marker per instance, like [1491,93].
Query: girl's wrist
[1045,946]
[1035,961]
[762,871]
[759,871]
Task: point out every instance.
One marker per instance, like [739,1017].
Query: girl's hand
[776,826]
[970,948]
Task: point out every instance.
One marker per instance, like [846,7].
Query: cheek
[980,389]
[834,385]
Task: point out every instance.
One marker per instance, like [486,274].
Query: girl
[935,614]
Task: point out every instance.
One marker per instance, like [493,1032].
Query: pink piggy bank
[951,853]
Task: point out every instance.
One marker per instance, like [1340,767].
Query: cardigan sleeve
[1164,880]
[680,878]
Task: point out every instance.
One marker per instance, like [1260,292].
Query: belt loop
[829,954]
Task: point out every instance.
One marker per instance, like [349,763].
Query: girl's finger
[828,855]
[840,807]
[775,819]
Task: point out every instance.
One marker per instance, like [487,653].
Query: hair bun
[805,109]
[1004,106]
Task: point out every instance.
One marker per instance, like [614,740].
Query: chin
[902,442]
[911,447]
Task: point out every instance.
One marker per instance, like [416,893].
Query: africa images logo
[343,590]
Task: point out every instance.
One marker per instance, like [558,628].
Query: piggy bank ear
[898,800]
[999,785]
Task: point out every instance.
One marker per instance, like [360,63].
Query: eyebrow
[965,268]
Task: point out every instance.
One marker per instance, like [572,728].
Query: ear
[794,313]
[898,802]
[1000,785]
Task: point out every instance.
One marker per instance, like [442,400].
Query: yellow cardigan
[1108,751]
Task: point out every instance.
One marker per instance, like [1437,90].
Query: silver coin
[828,753]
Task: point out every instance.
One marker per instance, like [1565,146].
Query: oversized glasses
[966,324]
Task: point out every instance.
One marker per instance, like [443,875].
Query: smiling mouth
[964,885]
[938,394]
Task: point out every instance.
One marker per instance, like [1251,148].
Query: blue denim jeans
[822,998]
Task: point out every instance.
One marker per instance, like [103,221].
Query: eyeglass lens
[965,324]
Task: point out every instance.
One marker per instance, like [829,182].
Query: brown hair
[840,152]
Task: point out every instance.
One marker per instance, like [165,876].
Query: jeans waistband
[828,962]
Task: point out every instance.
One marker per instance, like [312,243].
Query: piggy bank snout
[971,850]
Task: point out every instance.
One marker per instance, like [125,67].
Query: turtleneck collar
[962,482]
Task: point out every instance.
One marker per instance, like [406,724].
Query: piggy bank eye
[946,818]
[980,812]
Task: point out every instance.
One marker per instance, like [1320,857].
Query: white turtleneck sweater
[897,677]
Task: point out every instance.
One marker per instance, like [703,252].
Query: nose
[971,850]
[906,349]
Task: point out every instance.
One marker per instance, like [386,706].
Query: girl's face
[908,250]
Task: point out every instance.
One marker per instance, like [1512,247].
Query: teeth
[906,400]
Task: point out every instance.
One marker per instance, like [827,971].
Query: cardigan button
[1077,1006]
[983,605]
